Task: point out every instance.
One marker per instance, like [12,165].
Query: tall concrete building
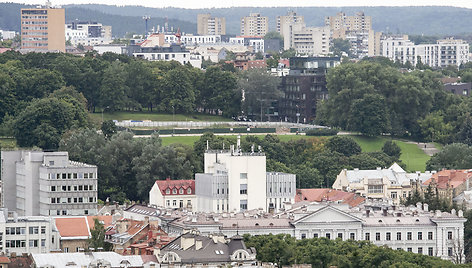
[43,29]
[287,24]
[88,33]
[254,25]
[311,41]
[208,25]
[36,183]
[340,24]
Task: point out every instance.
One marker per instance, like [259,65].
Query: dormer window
[167,191]
[189,191]
[174,191]
[181,191]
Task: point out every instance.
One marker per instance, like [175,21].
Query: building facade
[208,25]
[43,29]
[311,41]
[445,52]
[47,183]
[173,194]
[304,86]
[254,25]
[340,24]
[287,24]
[88,33]
[173,52]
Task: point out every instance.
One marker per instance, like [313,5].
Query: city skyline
[259,3]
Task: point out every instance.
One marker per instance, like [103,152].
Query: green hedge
[321,132]
[201,131]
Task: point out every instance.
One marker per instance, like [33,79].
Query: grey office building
[36,183]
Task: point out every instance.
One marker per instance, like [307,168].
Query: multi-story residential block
[464,89]
[5,35]
[256,43]
[237,181]
[304,86]
[208,25]
[311,41]
[191,40]
[392,183]
[47,183]
[444,53]
[173,194]
[43,29]
[254,25]
[88,33]
[413,229]
[165,53]
[27,234]
[287,24]
[340,24]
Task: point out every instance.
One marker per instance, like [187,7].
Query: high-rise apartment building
[208,25]
[311,41]
[36,183]
[340,24]
[88,33]
[287,24]
[43,29]
[254,25]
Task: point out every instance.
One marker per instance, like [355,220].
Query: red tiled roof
[171,184]
[107,221]
[4,49]
[4,259]
[72,227]
[326,194]
[452,178]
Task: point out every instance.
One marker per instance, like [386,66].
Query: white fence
[192,124]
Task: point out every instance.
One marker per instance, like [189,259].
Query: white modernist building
[39,183]
[190,40]
[237,181]
[413,229]
[444,53]
[88,33]
[311,41]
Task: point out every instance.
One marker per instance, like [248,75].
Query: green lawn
[120,116]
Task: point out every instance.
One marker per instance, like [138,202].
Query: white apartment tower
[287,24]
[208,25]
[236,181]
[36,183]
[312,41]
[254,25]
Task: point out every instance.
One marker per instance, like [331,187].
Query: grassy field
[414,158]
[140,116]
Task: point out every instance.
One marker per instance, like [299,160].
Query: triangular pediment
[328,214]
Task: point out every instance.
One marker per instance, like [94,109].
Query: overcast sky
[259,3]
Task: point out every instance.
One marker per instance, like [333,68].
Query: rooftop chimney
[367,213]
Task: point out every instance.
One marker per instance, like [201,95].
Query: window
[43,242]
[399,236]
[181,191]
[420,250]
[430,235]
[86,212]
[81,187]
[449,251]
[53,188]
[388,236]
[33,243]
[168,202]
[393,195]
[430,251]
[81,199]
[85,187]
[33,230]
[340,235]
[303,236]
[66,250]
[51,163]
[409,249]
[243,189]
[315,235]
[90,199]
[367,236]
[189,203]
[377,236]
[408,236]
[174,191]
[64,212]
[43,229]
[375,189]
[449,235]
[243,204]
[243,176]
[174,203]
[181,203]
[85,175]
[328,235]
[189,191]
[64,176]
[420,235]
[352,236]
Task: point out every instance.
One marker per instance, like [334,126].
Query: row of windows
[35,39]
[34,17]
[181,191]
[409,236]
[64,212]
[69,200]
[22,230]
[22,243]
[70,176]
[34,27]
[181,203]
[68,188]
[34,22]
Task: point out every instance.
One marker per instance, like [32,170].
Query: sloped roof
[171,184]
[70,227]
[106,220]
[326,194]
[453,178]
[82,259]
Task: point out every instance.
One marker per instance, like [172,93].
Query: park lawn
[413,157]
[141,116]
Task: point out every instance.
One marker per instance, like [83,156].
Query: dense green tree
[114,90]
[176,92]
[275,35]
[97,237]
[108,128]
[339,46]
[434,128]
[452,156]
[369,115]
[344,145]
[392,149]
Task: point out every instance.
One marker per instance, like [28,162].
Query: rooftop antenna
[146,18]
[208,146]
